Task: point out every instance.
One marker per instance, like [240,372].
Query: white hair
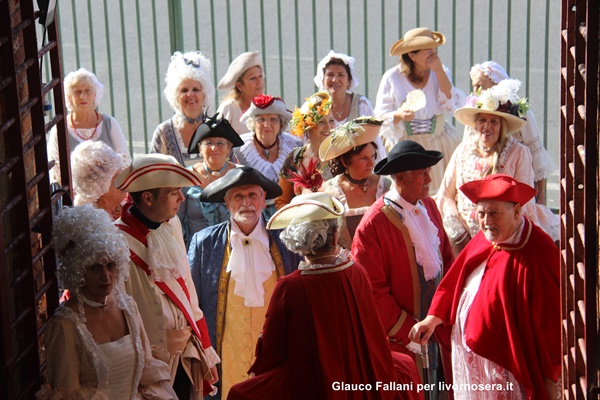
[83,236]
[74,78]
[283,123]
[93,165]
[190,65]
[309,237]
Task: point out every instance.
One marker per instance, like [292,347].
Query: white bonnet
[348,60]
[93,165]
[190,65]
[491,69]
[74,78]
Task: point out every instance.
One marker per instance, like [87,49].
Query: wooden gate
[579,198]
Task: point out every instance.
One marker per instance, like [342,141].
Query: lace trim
[253,159]
[342,257]
[212,358]
[125,304]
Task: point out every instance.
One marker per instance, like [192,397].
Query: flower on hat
[312,111]
[503,97]
[263,101]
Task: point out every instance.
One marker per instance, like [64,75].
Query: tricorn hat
[417,39]
[307,207]
[214,127]
[407,155]
[241,176]
[498,187]
[153,171]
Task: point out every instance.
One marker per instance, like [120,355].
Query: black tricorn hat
[215,191]
[407,155]
[214,127]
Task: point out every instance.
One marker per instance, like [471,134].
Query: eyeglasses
[263,120]
[219,144]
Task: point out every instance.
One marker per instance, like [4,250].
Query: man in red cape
[501,299]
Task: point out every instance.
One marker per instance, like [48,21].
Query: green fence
[128,45]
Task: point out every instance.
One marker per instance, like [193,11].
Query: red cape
[319,330]
[515,317]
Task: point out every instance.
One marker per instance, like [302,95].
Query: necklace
[339,114]
[93,303]
[361,183]
[95,129]
[210,172]
[266,149]
[486,149]
[192,121]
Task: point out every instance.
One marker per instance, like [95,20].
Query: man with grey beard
[235,266]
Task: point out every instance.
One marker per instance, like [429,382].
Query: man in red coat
[501,299]
[403,246]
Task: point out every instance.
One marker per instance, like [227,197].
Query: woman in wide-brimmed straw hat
[319,312]
[244,80]
[190,92]
[414,96]
[351,153]
[489,74]
[495,114]
[302,170]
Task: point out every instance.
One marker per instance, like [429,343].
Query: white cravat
[423,233]
[168,259]
[250,263]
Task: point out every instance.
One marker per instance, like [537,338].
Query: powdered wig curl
[190,65]
[76,77]
[310,237]
[83,236]
[93,165]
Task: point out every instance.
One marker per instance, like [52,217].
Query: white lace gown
[392,92]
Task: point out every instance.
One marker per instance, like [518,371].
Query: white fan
[415,100]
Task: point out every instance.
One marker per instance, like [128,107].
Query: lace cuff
[449,105]
[392,132]
[454,228]
[212,358]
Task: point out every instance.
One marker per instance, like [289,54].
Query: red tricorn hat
[498,187]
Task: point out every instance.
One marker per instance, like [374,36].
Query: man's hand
[422,331]
[215,375]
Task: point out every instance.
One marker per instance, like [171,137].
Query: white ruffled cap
[348,60]
[491,69]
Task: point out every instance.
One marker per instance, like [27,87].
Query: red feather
[307,178]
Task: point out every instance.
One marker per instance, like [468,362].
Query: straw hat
[501,100]
[349,136]
[311,113]
[498,187]
[265,104]
[407,155]
[307,207]
[152,171]
[214,127]
[417,39]
[238,66]
[215,192]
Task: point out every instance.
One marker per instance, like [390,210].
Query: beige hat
[501,100]
[266,104]
[152,171]
[417,39]
[348,136]
[238,66]
[307,207]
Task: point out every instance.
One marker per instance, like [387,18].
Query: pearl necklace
[214,173]
[95,129]
[486,149]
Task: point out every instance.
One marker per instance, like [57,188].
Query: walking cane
[425,359]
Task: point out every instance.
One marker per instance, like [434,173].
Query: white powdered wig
[93,165]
